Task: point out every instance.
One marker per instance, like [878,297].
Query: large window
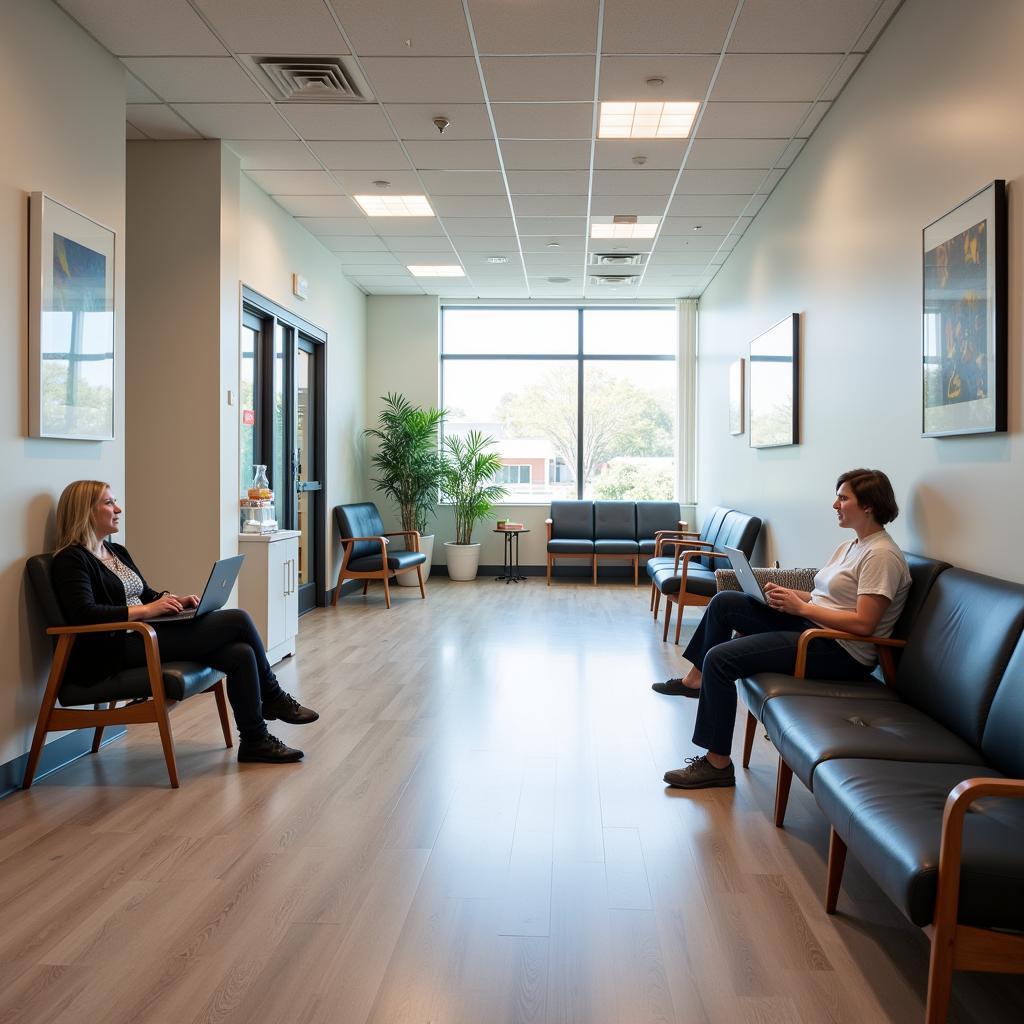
[581,402]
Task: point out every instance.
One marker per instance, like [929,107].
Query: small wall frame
[775,385]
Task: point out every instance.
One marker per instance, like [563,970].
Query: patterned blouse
[131,580]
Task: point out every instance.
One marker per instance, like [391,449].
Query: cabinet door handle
[284,567]
[291,562]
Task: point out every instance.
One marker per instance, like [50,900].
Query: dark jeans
[768,644]
[228,641]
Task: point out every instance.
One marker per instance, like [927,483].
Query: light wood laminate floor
[479,834]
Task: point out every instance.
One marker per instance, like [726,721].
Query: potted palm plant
[408,464]
[467,469]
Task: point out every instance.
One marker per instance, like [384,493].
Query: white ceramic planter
[463,560]
[408,579]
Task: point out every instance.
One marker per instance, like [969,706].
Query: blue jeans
[768,644]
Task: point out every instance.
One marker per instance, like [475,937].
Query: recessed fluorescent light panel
[646,120]
[436,271]
[395,206]
[634,227]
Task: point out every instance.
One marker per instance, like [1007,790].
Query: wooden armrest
[383,539]
[689,556]
[103,627]
[415,534]
[68,635]
[837,634]
[960,798]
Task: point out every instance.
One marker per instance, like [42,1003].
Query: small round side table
[510,569]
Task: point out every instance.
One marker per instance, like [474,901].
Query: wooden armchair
[366,554]
[150,692]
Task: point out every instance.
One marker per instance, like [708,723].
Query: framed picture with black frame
[963,322]
[775,385]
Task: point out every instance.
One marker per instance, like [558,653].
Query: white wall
[931,117]
[63,134]
[272,247]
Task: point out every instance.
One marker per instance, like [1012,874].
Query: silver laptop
[218,590]
[745,575]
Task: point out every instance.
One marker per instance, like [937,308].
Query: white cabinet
[268,588]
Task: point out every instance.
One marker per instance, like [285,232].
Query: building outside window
[581,401]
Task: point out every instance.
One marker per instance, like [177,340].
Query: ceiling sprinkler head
[698,227]
[639,160]
[381,184]
[655,83]
[558,280]
[440,123]
[553,245]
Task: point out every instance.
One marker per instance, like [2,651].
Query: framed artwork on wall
[963,328]
[775,385]
[71,324]
[736,397]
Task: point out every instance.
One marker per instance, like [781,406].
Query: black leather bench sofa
[623,530]
[922,779]
[686,576]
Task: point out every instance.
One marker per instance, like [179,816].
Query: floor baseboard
[54,755]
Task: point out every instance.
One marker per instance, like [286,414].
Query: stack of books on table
[510,526]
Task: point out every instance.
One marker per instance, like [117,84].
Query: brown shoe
[269,749]
[700,773]
[285,708]
[676,688]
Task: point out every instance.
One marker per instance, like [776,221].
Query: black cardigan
[88,593]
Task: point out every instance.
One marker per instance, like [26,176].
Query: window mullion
[579,403]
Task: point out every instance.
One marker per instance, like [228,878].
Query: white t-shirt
[874,565]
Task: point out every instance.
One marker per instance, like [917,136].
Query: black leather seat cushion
[809,730]
[396,560]
[182,679]
[656,565]
[698,580]
[890,815]
[652,516]
[755,691]
[1003,740]
[616,547]
[571,547]
[615,520]
[647,546]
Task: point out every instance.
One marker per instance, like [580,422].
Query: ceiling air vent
[614,280]
[616,259]
[312,79]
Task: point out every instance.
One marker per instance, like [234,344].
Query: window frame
[581,358]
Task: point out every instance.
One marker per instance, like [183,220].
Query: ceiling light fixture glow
[607,230]
[395,206]
[419,270]
[646,120]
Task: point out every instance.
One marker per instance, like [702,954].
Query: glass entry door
[282,404]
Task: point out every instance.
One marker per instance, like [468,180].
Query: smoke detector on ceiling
[311,79]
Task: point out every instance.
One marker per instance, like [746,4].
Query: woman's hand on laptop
[165,604]
[783,599]
[187,601]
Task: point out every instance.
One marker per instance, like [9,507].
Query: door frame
[266,310]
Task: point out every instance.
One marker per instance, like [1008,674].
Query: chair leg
[836,863]
[679,620]
[654,590]
[163,723]
[337,591]
[419,576]
[595,570]
[748,738]
[387,592]
[222,711]
[549,570]
[940,973]
[668,619]
[636,571]
[57,667]
[782,783]
[366,587]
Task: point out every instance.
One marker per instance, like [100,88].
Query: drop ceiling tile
[406,244]
[773,77]
[434,79]
[452,155]
[642,206]
[463,183]
[877,23]
[550,206]
[471,206]
[392,280]
[846,70]
[443,287]
[702,225]
[338,121]
[771,180]
[695,243]
[145,27]
[734,153]
[623,79]
[359,183]
[569,183]
[408,227]
[696,26]
[349,156]
[566,251]
[322,206]
[638,182]
[791,152]
[683,257]
[337,226]
[716,206]
[350,243]
[715,182]
[551,225]
[269,26]
[532,155]
[400,290]
[136,92]
[800,26]
[274,156]
[544,120]
[295,183]
[479,226]
[418,29]
[367,259]
[415,120]
[235,120]
[159,121]
[497,244]
[540,262]
[427,256]
[510,292]
[753,120]
[132,134]
[539,79]
[659,154]
[195,79]
[535,26]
